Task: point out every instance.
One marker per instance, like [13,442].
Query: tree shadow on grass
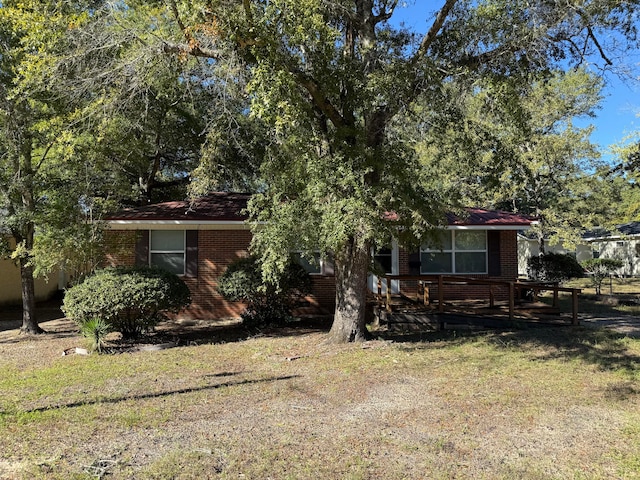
[607,349]
[597,346]
[144,396]
[11,316]
[214,333]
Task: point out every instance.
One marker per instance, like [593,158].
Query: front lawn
[535,403]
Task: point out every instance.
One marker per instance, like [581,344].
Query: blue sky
[617,116]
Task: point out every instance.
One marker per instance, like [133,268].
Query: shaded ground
[172,333]
[11,316]
[184,332]
[627,325]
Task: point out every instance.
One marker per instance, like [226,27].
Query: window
[167,250]
[457,251]
[311,262]
[383,260]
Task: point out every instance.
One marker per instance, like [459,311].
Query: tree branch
[44,156]
[598,46]
[194,50]
[319,99]
[192,47]
[431,35]
[386,11]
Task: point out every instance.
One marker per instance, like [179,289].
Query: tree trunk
[351,270]
[24,236]
[29,320]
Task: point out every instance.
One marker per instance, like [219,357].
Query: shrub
[599,269]
[95,330]
[554,267]
[267,303]
[131,300]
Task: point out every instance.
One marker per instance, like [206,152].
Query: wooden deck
[420,310]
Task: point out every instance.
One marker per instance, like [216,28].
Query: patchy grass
[630,286]
[536,403]
[624,301]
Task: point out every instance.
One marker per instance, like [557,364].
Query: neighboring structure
[11,284]
[622,244]
[199,240]
[529,247]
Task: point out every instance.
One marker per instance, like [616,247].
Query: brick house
[199,240]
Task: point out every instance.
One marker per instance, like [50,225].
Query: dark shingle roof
[226,206]
[631,228]
[218,206]
[479,216]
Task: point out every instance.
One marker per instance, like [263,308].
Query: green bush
[599,269]
[267,303]
[131,300]
[553,267]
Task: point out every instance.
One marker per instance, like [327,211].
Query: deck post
[555,299]
[511,300]
[574,305]
[440,294]
[491,297]
[425,294]
[388,294]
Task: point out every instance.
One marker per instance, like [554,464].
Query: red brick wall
[323,299]
[120,247]
[216,250]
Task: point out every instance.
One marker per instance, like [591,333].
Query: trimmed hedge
[554,267]
[131,300]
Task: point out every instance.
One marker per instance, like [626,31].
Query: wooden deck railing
[514,288]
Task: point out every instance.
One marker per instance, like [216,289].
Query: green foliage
[95,330]
[601,268]
[131,300]
[339,88]
[554,267]
[267,302]
[515,147]
[312,103]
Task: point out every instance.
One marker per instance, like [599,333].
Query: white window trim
[183,251]
[453,251]
[320,264]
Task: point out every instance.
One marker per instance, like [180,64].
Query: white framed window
[455,251]
[167,250]
[310,261]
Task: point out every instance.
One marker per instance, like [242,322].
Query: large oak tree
[332,81]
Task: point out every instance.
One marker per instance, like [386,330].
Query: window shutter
[191,254]
[493,252]
[414,263]
[142,247]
